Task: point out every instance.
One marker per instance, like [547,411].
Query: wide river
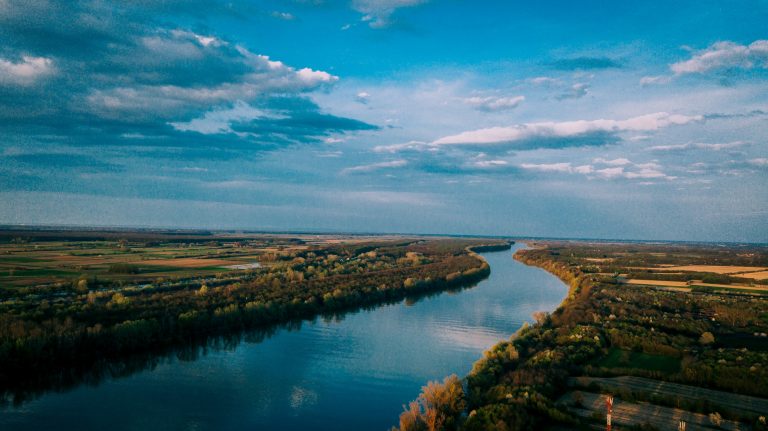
[351,373]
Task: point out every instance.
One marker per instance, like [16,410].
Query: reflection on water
[342,371]
[18,393]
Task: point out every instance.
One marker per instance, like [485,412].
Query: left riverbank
[44,343]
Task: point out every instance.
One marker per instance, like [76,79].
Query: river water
[349,373]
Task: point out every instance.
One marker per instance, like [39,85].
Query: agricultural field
[28,259]
[31,260]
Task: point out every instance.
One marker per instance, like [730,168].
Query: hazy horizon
[591,120]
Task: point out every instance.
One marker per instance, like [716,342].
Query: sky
[594,119]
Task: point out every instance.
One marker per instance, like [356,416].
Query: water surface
[353,373]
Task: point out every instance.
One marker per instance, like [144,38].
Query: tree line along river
[348,372]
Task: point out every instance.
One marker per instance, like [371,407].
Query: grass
[36,273]
[710,289]
[619,358]
[19,259]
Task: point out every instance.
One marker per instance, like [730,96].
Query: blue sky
[590,119]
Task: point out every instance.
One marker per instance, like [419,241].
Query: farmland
[33,259]
[672,331]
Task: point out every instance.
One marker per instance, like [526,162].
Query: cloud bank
[558,131]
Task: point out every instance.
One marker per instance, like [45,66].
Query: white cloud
[520,132]
[315,77]
[759,162]
[584,169]
[492,103]
[375,167]
[647,173]
[618,170]
[565,168]
[265,76]
[725,55]
[417,146]
[651,80]
[610,173]
[220,120]
[363,97]
[283,15]
[543,80]
[194,169]
[378,13]
[204,41]
[699,146]
[489,163]
[615,162]
[577,91]
[548,167]
[26,71]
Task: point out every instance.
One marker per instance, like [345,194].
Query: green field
[620,358]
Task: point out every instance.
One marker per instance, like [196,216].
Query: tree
[82,286]
[716,419]
[707,338]
[411,419]
[540,316]
[438,407]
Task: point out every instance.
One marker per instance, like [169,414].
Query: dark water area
[352,372]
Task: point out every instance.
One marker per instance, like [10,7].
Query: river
[353,372]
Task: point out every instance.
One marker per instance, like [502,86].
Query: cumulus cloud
[725,55]
[378,13]
[312,78]
[25,71]
[119,75]
[493,103]
[549,131]
[259,76]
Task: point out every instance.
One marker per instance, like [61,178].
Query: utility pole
[609,407]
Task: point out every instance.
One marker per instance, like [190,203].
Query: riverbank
[605,327]
[56,340]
